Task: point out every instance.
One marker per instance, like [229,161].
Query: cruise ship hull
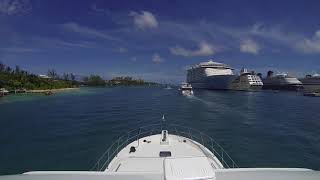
[217,82]
[246,88]
[289,87]
[282,83]
[311,85]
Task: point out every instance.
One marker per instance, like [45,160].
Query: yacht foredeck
[176,157]
[149,150]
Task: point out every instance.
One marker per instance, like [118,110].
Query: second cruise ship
[247,81]
[281,82]
[210,75]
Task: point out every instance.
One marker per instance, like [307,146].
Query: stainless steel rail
[187,132]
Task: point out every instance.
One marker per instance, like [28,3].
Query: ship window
[165,154]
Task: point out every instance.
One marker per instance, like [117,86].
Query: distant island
[18,80]
[96,80]
[128,81]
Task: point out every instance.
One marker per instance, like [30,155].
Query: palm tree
[18,70]
[52,73]
[8,69]
[73,77]
[2,67]
[65,76]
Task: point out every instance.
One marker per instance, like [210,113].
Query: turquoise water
[69,131]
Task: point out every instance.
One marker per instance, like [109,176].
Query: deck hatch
[165,154]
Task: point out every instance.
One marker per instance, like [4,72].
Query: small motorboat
[186,89]
[168,87]
[3,92]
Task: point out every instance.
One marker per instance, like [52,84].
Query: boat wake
[193,97]
[219,107]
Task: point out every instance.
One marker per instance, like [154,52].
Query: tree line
[96,80]
[17,78]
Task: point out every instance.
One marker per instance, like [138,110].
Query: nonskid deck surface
[188,158]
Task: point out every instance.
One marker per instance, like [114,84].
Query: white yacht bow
[169,152]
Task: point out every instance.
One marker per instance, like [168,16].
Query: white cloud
[296,41]
[96,9]
[51,42]
[249,46]
[133,59]
[90,32]
[157,59]
[20,50]
[205,49]
[276,33]
[121,50]
[144,20]
[310,45]
[81,44]
[14,7]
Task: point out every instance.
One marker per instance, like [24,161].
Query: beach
[51,90]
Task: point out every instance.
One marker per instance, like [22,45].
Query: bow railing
[187,132]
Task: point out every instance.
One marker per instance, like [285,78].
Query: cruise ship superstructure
[210,75]
[281,81]
[247,81]
[311,83]
[172,152]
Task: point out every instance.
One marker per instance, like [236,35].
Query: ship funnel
[260,75]
[243,70]
[270,74]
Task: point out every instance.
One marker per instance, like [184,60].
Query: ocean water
[69,131]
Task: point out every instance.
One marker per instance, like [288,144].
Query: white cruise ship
[210,75]
[168,152]
[311,83]
[246,81]
[281,81]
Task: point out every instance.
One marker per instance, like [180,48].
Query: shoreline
[40,91]
[50,90]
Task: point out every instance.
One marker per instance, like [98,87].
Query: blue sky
[158,40]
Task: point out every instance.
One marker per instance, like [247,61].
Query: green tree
[18,78]
[2,67]
[94,80]
[66,76]
[52,73]
[72,77]
[18,70]
[8,69]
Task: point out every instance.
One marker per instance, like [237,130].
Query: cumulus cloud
[249,46]
[310,45]
[276,33]
[15,7]
[144,20]
[205,49]
[157,59]
[296,41]
[90,32]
